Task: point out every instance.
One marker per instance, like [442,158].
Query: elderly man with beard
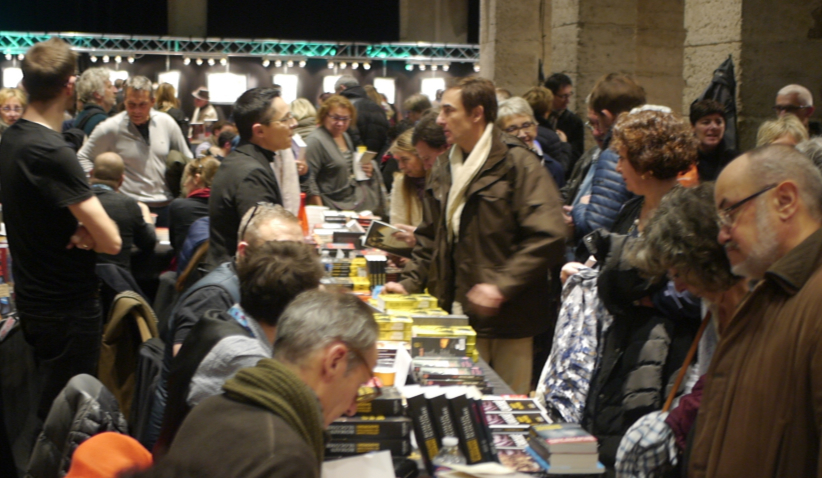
[761,412]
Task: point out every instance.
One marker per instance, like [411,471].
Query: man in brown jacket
[492,229]
[761,411]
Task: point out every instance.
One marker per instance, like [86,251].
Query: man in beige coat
[761,411]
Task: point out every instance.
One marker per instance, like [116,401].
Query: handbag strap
[688,359]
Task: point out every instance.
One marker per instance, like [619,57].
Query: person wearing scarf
[197,178]
[270,420]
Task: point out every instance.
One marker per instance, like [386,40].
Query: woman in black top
[197,178]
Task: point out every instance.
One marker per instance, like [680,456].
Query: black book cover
[462,411]
[355,446]
[489,451]
[373,426]
[388,404]
[423,429]
[441,414]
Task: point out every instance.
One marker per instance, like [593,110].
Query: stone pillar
[660,35]
[188,18]
[434,21]
[510,43]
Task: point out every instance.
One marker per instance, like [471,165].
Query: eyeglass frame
[790,108]
[253,213]
[340,119]
[9,109]
[365,393]
[513,130]
[723,216]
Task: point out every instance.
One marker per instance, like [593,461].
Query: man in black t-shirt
[54,224]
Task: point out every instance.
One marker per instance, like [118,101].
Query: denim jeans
[66,342]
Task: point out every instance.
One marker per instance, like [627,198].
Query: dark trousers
[66,342]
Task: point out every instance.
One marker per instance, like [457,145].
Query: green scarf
[273,386]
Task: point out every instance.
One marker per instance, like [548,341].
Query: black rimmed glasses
[792,109]
[366,392]
[725,216]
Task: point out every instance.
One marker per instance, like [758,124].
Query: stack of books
[378,425]
[564,448]
[447,371]
[509,419]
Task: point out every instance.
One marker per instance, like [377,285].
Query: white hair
[347,81]
[803,94]
[514,106]
[92,81]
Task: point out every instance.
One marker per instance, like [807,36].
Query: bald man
[761,410]
[798,101]
[132,217]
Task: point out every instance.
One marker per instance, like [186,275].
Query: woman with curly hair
[650,333]
[680,241]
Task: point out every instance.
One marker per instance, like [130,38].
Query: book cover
[382,236]
[519,460]
[441,414]
[489,451]
[461,409]
[564,438]
[356,446]
[438,347]
[424,430]
[510,441]
[564,470]
[375,426]
[388,404]
[515,420]
[501,405]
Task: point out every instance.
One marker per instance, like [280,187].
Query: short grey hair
[263,214]
[139,83]
[775,163]
[347,81]
[92,81]
[803,94]
[514,106]
[317,318]
[812,148]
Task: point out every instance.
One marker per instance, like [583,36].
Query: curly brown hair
[681,235]
[335,101]
[655,142]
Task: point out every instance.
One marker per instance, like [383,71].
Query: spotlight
[21,57]
[92,58]
[422,67]
[211,62]
[118,59]
[355,65]
[266,62]
[343,65]
[330,65]
[477,67]
[278,63]
[186,61]
[366,65]
[105,58]
[223,61]
[199,61]
[446,67]
[302,64]
[434,67]
[409,67]
[131,59]
[289,63]
[8,56]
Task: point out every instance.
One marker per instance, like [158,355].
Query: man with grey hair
[143,137]
[415,106]
[760,407]
[812,148]
[372,125]
[273,414]
[798,101]
[96,94]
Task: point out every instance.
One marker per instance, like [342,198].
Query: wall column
[510,43]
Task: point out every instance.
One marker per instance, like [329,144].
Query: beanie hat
[108,454]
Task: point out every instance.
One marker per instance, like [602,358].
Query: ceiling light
[21,57]
[434,67]
[105,58]
[223,61]
[366,65]
[409,67]
[8,56]
[199,61]
[355,65]
[289,63]
[330,65]
[186,61]
[211,62]
[446,67]
[422,67]
[302,64]
[477,67]
[266,62]
[278,63]
[92,58]
[131,59]
[118,59]
[343,65]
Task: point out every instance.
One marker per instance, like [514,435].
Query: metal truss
[14,43]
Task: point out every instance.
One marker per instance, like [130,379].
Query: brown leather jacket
[511,235]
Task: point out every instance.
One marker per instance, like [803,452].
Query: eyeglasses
[724,218]
[253,213]
[789,108]
[515,129]
[340,119]
[9,109]
[366,393]
[285,119]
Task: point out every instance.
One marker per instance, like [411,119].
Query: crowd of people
[693,271]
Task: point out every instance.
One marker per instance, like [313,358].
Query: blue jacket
[608,194]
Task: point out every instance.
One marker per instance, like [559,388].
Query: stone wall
[510,43]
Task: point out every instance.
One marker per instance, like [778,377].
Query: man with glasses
[246,177]
[798,101]
[224,341]
[55,225]
[269,420]
[761,403]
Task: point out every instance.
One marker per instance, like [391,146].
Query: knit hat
[108,454]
